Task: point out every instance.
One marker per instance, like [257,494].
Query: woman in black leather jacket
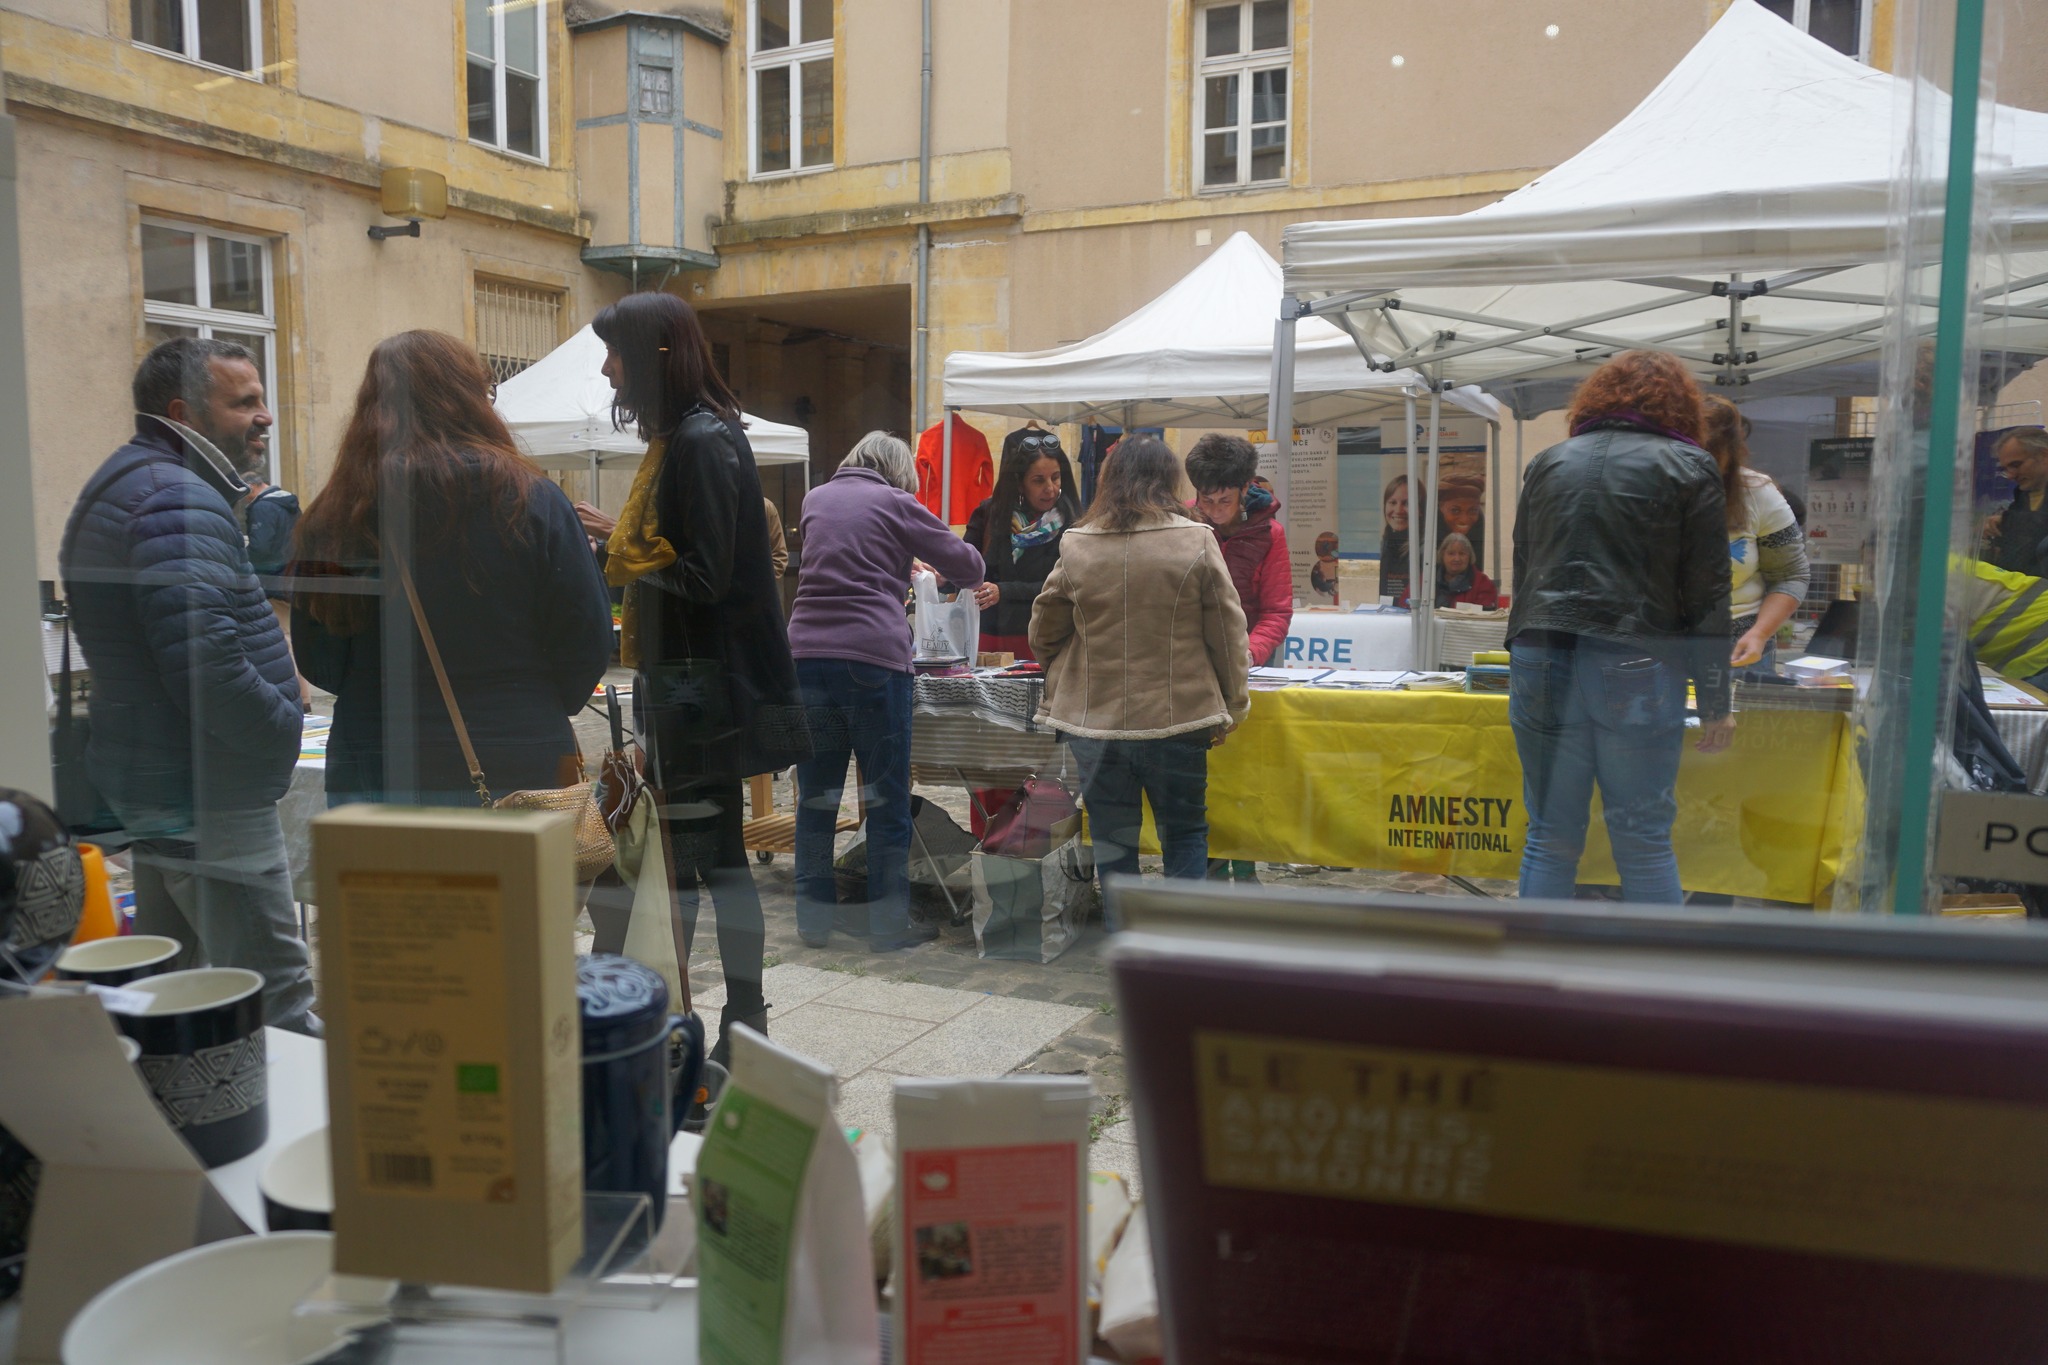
[715,692]
[1620,598]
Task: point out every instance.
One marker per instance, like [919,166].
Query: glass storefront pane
[170,272]
[817,106]
[771,119]
[236,270]
[224,37]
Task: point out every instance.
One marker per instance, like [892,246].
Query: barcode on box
[410,1170]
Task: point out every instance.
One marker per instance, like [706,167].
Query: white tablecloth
[1349,639]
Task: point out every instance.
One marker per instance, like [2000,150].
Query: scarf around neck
[636,548]
[1039,531]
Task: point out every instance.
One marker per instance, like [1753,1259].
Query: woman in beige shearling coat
[1143,642]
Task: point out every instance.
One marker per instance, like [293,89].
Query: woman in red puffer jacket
[1246,520]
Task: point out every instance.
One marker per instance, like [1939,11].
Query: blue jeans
[859,711]
[1607,714]
[1173,775]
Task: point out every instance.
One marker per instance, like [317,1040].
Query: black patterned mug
[117,961]
[201,1033]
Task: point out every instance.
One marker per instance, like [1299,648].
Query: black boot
[755,1019]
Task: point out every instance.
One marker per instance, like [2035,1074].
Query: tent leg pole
[1493,513]
[1415,508]
[1280,404]
[1429,632]
[946,466]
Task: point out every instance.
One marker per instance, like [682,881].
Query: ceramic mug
[298,1186]
[203,1057]
[118,961]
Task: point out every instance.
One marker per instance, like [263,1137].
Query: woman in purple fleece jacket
[847,630]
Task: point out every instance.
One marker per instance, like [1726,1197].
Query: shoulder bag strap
[419,616]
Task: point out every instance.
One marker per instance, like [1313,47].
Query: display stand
[626,1266]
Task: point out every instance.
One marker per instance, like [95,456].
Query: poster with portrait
[1309,514]
[1459,506]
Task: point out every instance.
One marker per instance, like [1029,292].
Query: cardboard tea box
[449,991]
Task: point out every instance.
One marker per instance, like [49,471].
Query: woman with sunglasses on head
[1018,529]
[716,696]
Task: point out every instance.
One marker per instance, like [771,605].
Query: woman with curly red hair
[1621,597]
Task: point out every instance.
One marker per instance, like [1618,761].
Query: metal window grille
[515,325]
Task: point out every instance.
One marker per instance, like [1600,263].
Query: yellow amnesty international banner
[1887,1176]
[1430,782]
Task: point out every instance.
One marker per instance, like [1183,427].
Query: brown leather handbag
[595,848]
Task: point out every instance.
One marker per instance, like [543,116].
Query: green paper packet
[783,1262]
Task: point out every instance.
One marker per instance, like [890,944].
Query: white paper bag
[784,1267]
[991,1218]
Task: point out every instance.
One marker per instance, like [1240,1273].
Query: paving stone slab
[904,999]
[848,1041]
[995,1037]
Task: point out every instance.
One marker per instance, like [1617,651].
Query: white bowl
[226,1303]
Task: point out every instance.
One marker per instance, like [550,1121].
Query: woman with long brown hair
[1767,565]
[716,697]
[1621,598]
[428,485]
[1146,659]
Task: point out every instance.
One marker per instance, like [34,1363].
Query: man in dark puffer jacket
[195,705]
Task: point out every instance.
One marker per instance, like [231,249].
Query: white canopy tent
[1748,197]
[560,411]
[1751,189]
[1199,355]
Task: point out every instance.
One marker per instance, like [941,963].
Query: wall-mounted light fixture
[411,193]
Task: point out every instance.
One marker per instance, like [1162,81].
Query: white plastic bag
[784,1269]
[991,1218]
[1032,909]
[945,630]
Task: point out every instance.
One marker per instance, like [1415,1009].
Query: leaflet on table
[2000,691]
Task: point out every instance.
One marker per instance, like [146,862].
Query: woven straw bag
[595,847]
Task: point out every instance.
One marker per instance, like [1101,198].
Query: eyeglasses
[1039,440]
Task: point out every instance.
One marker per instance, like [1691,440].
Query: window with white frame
[1843,25]
[789,78]
[223,33]
[516,324]
[508,81]
[1244,62]
[200,283]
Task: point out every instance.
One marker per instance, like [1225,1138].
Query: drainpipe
[924,237]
